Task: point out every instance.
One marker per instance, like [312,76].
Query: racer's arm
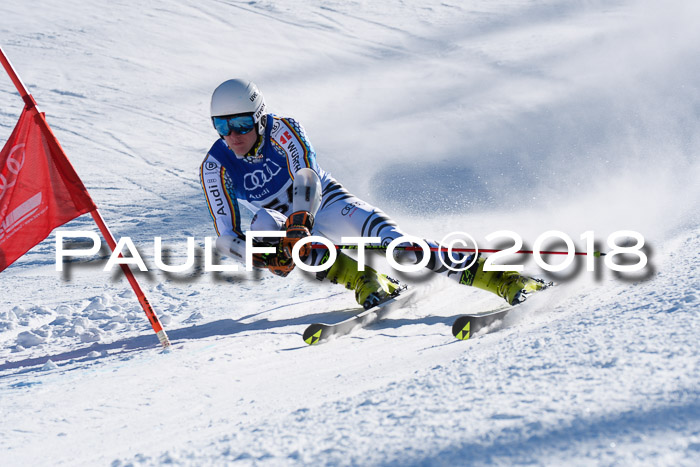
[225,212]
[289,140]
[221,198]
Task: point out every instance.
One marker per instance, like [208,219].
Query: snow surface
[474,116]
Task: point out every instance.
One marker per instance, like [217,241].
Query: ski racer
[266,163]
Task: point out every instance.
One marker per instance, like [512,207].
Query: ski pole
[597,254]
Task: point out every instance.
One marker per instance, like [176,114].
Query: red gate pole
[145,304]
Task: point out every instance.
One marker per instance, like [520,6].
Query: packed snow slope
[473,116]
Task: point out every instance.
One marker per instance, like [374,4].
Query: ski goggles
[239,124]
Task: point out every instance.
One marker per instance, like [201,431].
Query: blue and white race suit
[266,182]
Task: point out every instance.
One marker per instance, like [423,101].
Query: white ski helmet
[237,96]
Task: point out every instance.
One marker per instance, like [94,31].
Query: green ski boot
[509,285]
[370,287]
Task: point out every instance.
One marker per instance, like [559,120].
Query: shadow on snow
[222,327]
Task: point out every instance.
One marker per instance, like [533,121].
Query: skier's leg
[509,285]
[370,287]
[343,214]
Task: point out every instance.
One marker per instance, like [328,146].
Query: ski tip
[461,328]
[312,334]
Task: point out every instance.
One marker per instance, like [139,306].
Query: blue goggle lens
[241,124]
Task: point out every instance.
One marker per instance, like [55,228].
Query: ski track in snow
[487,116]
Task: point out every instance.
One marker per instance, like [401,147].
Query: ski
[466,326]
[320,332]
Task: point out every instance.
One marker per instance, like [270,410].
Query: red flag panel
[39,190]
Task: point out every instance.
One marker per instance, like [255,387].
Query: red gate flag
[39,190]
